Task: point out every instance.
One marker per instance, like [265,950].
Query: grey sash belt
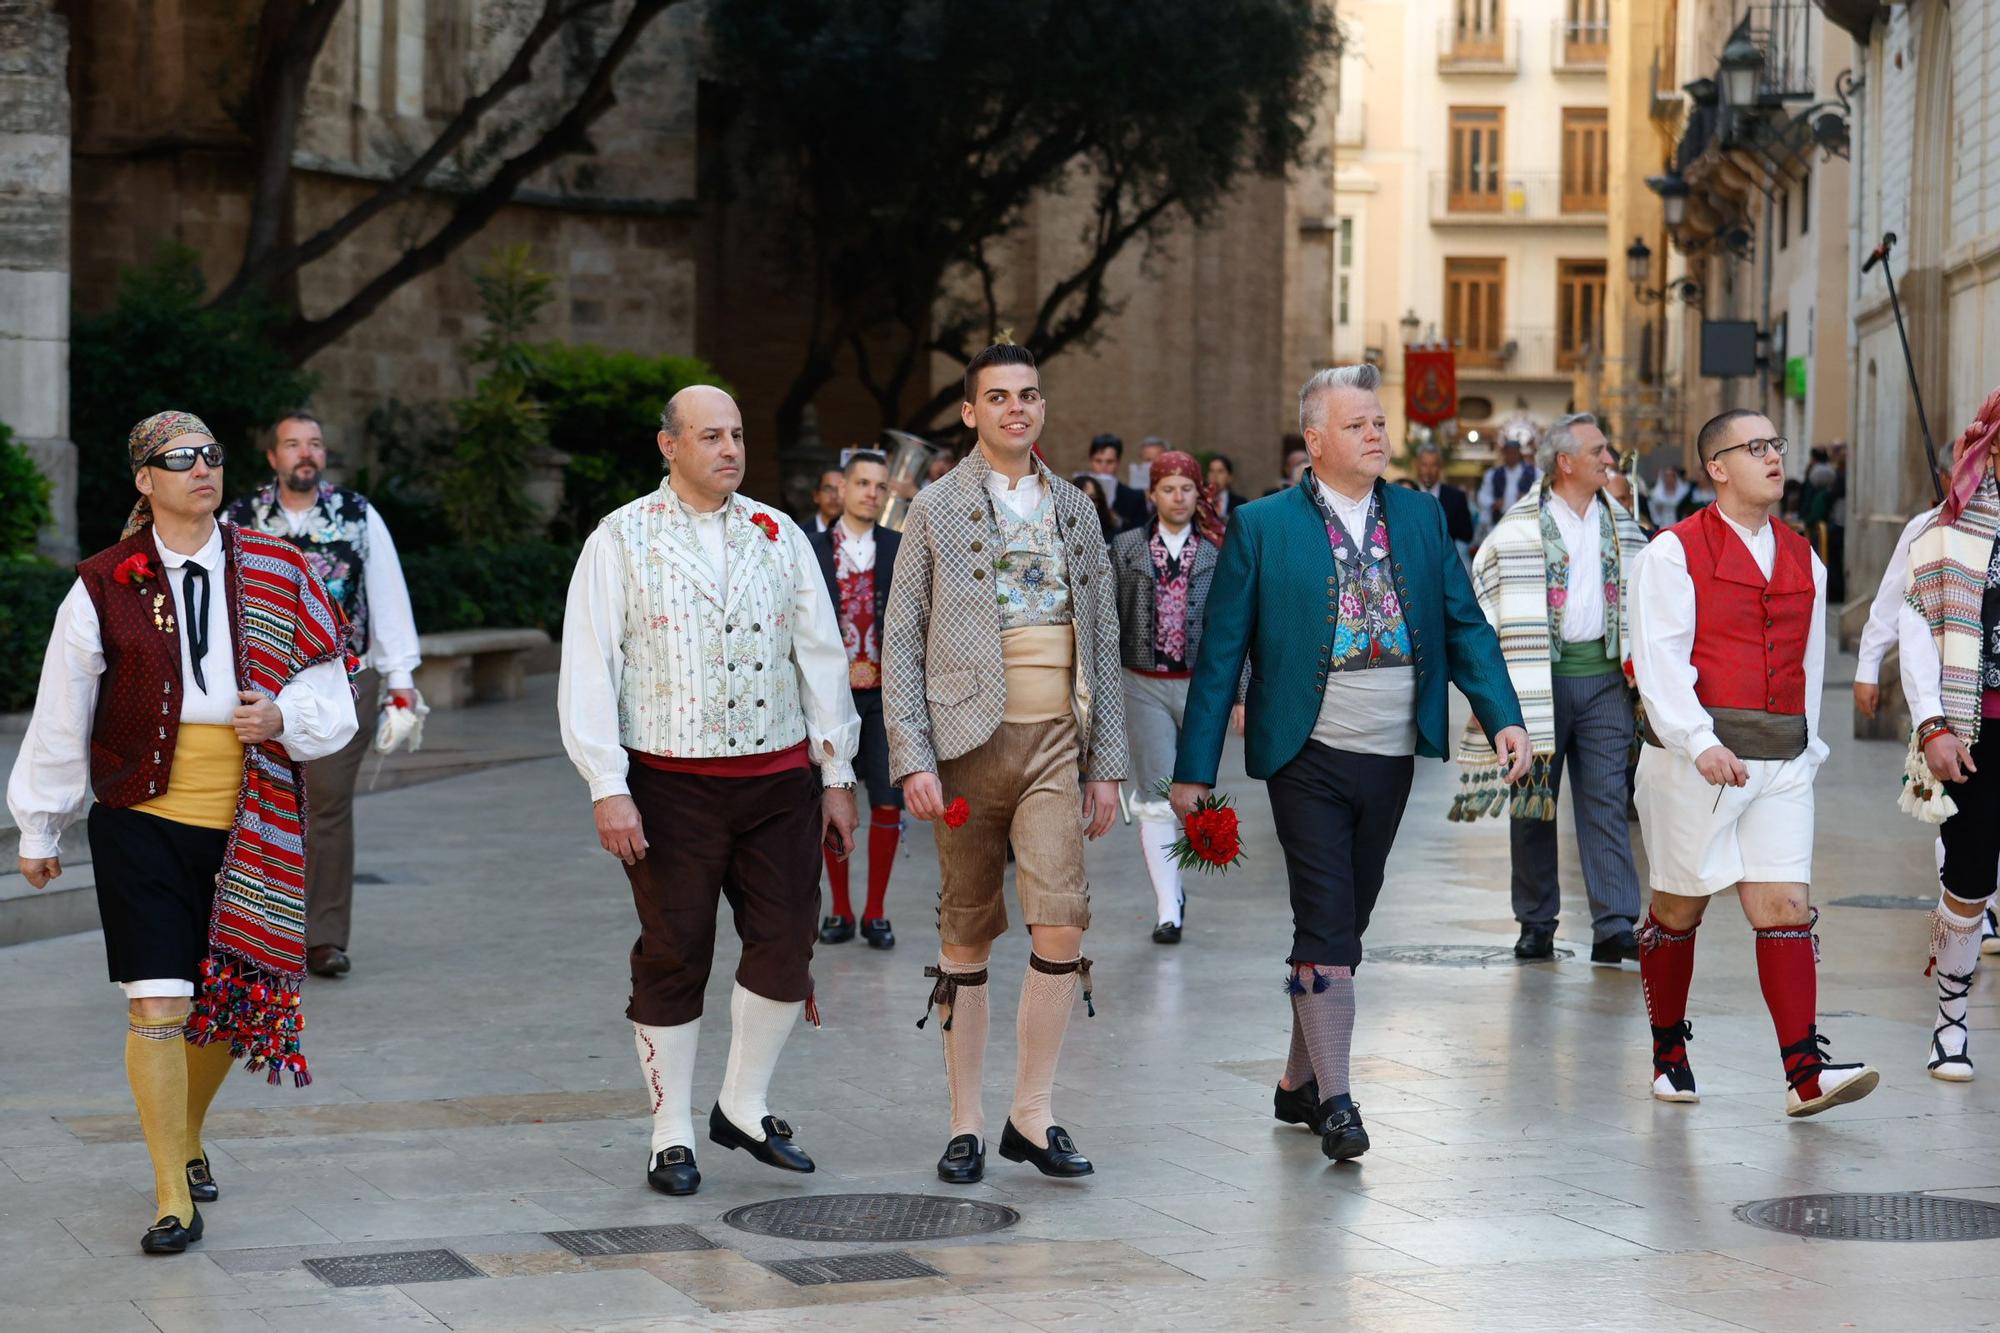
[1751,733]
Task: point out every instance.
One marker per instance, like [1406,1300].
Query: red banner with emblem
[1430,385]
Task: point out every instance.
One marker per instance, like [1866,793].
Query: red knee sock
[1666,967]
[1787,971]
[836,878]
[885,829]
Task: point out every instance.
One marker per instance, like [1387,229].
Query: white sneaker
[1673,1080]
[1666,1090]
[1838,1085]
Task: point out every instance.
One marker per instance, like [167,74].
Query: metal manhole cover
[391,1270]
[882,1266]
[1906,1216]
[1456,955]
[631,1240]
[870,1217]
[1887,901]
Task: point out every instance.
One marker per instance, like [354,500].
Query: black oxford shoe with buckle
[776,1148]
[168,1236]
[674,1172]
[836,930]
[1059,1158]
[1298,1106]
[877,932]
[964,1161]
[201,1181]
[1341,1133]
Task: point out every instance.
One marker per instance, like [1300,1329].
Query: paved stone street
[476,1089]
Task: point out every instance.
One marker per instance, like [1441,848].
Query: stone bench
[476,665]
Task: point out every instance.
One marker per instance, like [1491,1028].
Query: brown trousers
[754,841]
[1022,786]
[330,826]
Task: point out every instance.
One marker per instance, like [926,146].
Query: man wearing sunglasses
[192,670]
[1729,649]
[345,541]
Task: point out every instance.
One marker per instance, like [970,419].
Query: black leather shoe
[1613,950]
[1167,932]
[1341,1134]
[674,1172]
[1059,1158]
[877,933]
[1536,942]
[1298,1106]
[964,1161]
[328,960]
[836,930]
[776,1149]
[201,1181]
[168,1236]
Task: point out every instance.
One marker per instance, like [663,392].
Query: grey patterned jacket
[943,688]
[1132,561]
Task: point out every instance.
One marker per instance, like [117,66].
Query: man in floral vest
[704,697]
[192,670]
[348,545]
[858,557]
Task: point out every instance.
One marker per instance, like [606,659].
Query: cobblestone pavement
[476,1090]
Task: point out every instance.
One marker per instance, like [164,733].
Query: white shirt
[1662,631]
[1351,513]
[857,549]
[1513,484]
[1175,542]
[1583,604]
[711,530]
[1884,612]
[50,786]
[1024,497]
[393,650]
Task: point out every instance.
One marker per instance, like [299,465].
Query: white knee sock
[1955,957]
[1157,837]
[666,1059]
[758,1028]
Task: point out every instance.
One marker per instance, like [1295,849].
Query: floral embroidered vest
[1369,629]
[856,611]
[708,671]
[1031,578]
[334,543]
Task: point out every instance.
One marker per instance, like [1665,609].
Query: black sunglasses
[182,459]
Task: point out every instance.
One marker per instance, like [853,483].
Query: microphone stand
[1880,255]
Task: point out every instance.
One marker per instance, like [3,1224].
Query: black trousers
[1972,836]
[1337,815]
[871,761]
[155,890]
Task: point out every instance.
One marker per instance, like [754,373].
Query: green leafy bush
[30,592]
[24,498]
[156,349]
[490,587]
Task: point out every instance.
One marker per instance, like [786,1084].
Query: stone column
[34,252]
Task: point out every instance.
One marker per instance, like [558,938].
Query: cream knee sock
[1954,961]
[965,1016]
[1157,837]
[758,1028]
[1048,993]
[666,1059]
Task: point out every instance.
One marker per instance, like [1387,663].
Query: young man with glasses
[1729,650]
[192,670]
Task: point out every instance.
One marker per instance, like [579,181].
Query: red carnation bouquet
[1210,840]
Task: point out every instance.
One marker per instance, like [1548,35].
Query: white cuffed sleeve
[1662,611]
[593,658]
[318,708]
[1816,663]
[1881,629]
[820,656]
[1921,668]
[392,625]
[50,787]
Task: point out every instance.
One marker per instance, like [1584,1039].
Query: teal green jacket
[1274,600]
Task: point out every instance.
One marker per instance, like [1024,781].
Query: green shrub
[24,498]
[30,592]
[490,587]
[159,349]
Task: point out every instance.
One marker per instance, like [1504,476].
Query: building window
[1475,295]
[1343,271]
[1475,159]
[1586,158]
[1475,30]
[1784,219]
[1805,203]
[1579,309]
[1586,31]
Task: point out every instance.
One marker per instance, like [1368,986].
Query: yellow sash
[1039,661]
[206,777]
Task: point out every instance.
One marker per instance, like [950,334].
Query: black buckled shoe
[1614,950]
[1167,932]
[776,1148]
[201,1181]
[836,930]
[1341,1133]
[168,1236]
[1059,1158]
[1298,1106]
[673,1171]
[964,1161]
[1537,944]
[876,931]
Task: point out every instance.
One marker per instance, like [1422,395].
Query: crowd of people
[1021,648]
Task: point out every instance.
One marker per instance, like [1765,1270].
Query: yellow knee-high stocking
[158,1072]
[207,1066]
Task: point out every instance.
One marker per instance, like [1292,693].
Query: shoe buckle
[958,1152]
[1062,1142]
[676,1156]
[777,1128]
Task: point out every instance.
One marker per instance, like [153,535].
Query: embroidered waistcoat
[855,607]
[1750,633]
[1031,580]
[708,671]
[334,543]
[1369,629]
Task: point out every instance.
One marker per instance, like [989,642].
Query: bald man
[704,698]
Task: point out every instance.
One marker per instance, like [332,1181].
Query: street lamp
[1639,262]
[1639,268]
[1741,63]
[1673,192]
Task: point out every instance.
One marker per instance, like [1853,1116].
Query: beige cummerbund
[1751,733]
[1041,665]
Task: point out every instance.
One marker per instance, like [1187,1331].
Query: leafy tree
[501,425]
[909,138]
[24,498]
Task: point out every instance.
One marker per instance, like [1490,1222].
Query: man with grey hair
[1551,578]
[1334,719]
[1457,510]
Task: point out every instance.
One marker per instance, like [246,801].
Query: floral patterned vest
[1031,578]
[334,543]
[1369,629]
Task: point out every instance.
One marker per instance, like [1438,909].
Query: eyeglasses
[182,459]
[1757,448]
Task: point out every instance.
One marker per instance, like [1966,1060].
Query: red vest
[139,696]
[1749,634]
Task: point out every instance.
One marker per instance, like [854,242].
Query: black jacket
[886,541]
[1457,512]
[1129,509]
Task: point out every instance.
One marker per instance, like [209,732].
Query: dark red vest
[139,696]
[1750,633]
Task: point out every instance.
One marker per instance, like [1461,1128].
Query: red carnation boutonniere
[134,569]
[1210,840]
[767,524]
[957,813]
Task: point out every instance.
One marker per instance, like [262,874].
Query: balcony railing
[1464,49]
[1522,354]
[1580,46]
[1512,199]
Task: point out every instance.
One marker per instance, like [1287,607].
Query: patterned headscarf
[1972,456]
[150,436]
[1176,463]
